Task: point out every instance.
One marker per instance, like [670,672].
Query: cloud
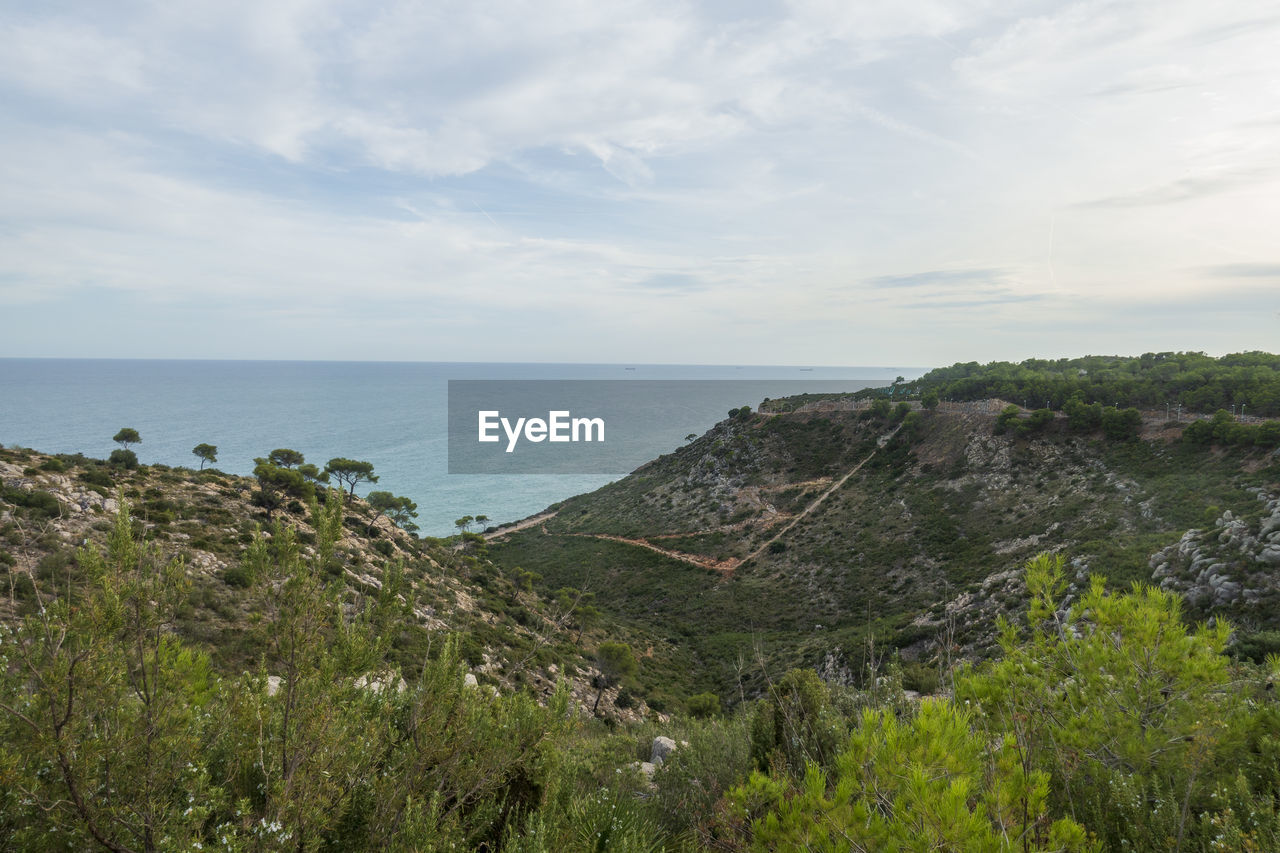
[997,296]
[436,179]
[672,283]
[1264,270]
[941,278]
[1185,189]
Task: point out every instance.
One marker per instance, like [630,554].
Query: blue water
[391,414]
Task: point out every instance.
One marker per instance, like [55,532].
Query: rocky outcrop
[1231,565]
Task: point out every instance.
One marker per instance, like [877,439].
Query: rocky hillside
[825,538]
[53,506]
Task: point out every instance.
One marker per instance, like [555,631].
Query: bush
[919,677]
[126,459]
[704,705]
[796,724]
[696,776]
[927,783]
[38,503]
[1149,723]
[239,576]
[97,477]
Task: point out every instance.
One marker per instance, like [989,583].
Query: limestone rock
[662,747]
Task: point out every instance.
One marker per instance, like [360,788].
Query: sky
[726,182]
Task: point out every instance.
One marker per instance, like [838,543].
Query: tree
[929,400]
[350,472]
[400,510]
[796,724]
[1137,719]
[926,783]
[285,458]
[276,484]
[1009,415]
[126,437]
[482,521]
[1121,424]
[102,732]
[207,453]
[615,662]
[312,473]
[463,524]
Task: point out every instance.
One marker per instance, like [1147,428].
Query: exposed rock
[379,683]
[662,747]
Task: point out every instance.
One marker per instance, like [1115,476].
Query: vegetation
[285,458]
[121,458]
[1108,724]
[350,472]
[401,510]
[127,436]
[1249,381]
[118,736]
[615,662]
[205,453]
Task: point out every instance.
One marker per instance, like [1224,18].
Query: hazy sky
[811,182]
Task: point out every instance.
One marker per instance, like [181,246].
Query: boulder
[662,747]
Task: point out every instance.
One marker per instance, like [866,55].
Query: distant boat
[807,368]
[628,368]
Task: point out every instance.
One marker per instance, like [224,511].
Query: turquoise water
[391,414]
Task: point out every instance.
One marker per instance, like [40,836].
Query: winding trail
[880,443]
[726,566]
[701,562]
[524,524]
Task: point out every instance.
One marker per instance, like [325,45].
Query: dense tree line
[1248,381]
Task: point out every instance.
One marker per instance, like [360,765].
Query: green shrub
[703,705]
[926,783]
[96,477]
[124,459]
[38,503]
[238,575]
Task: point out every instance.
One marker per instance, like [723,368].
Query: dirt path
[520,525]
[726,566]
[881,442]
[701,562]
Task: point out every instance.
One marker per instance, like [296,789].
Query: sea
[393,414]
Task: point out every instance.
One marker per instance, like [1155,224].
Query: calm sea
[391,414]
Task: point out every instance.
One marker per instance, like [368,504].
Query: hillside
[52,506]
[809,534]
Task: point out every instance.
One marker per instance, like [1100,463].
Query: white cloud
[451,172]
